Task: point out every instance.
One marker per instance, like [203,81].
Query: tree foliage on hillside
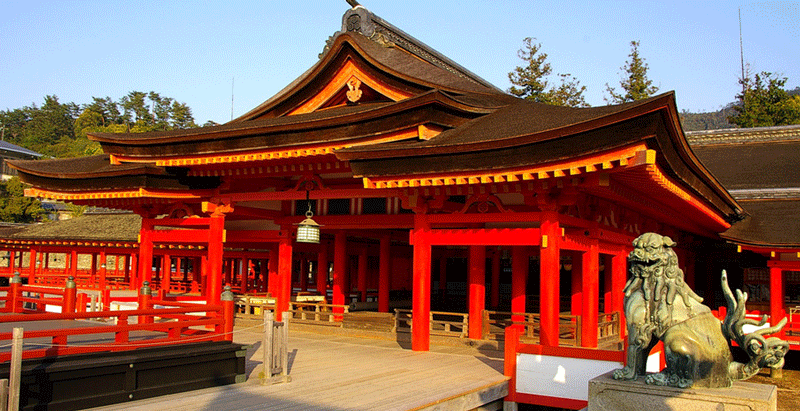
[634,83]
[714,120]
[764,102]
[15,207]
[531,80]
[60,129]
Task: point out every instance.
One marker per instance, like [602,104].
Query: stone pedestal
[607,394]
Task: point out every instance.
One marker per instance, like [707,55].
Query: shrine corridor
[344,373]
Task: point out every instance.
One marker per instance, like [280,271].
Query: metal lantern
[308,229]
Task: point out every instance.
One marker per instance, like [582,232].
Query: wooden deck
[335,372]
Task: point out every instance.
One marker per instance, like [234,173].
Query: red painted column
[477,289]
[133,272]
[494,299]
[216,238]
[776,296]
[32,272]
[576,301]
[519,281]
[340,282]
[619,274]
[285,275]
[421,300]
[549,279]
[322,269]
[93,270]
[73,263]
[591,291]
[145,253]
[384,274]
[103,272]
[273,285]
[166,272]
[362,274]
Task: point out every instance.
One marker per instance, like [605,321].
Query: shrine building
[433,190]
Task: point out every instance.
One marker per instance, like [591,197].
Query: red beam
[180,236]
[489,236]
[315,194]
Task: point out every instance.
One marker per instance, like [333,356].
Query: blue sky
[202,52]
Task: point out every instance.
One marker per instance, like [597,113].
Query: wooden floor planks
[334,372]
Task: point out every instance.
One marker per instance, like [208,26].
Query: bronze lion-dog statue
[659,305]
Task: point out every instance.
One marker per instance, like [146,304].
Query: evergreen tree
[634,83]
[15,207]
[764,102]
[530,81]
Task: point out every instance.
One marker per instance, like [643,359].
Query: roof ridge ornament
[353,3]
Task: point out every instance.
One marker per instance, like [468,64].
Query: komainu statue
[660,306]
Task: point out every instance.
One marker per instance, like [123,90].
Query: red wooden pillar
[339,270]
[776,296]
[273,284]
[576,301]
[322,269]
[32,272]
[166,272]
[519,281]
[145,253]
[196,274]
[216,237]
[421,301]
[73,263]
[133,271]
[619,273]
[494,298]
[384,274]
[549,279]
[103,269]
[362,274]
[93,271]
[477,289]
[12,261]
[251,273]
[285,277]
[591,291]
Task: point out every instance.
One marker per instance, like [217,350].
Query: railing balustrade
[441,323]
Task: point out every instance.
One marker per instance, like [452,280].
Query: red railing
[173,326]
[179,322]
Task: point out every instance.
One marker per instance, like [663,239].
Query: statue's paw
[657,379]
[626,373]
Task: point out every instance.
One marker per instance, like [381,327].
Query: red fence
[118,330]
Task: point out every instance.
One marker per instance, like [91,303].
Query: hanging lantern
[308,229]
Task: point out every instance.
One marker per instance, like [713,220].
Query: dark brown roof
[759,167]
[83,167]
[91,227]
[772,223]
[756,164]
[97,173]
[521,122]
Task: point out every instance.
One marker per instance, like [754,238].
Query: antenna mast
[232,79]
[741,49]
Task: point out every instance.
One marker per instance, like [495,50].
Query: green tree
[634,83]
[530,81]
[15,207]
[764,102]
